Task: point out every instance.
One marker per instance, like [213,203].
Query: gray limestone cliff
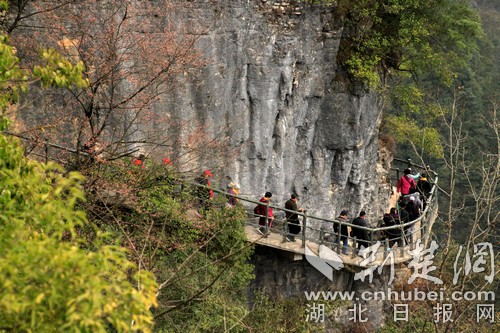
[273,87]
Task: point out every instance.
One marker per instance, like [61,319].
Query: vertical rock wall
[273,87]
[278,276]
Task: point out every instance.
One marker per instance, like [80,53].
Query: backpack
[412,188]
[256,210]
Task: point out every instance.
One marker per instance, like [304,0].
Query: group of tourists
[266,218]
[414,191]
[361,235]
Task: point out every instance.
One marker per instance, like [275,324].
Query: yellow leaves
[110,307]
[39,298]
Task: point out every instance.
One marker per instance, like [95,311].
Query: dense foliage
[200,258]
[416,37]
[392,46]
[438,74]
[50,278]
[465,119]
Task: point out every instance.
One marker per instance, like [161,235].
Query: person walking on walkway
[292,219]
[343,230]
[406,183]
[204,193]
[264,210]
[233,191]
[404,217]
[393,235]
[360,234]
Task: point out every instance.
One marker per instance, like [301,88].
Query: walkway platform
[349,260]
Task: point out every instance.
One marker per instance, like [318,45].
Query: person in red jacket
[406,183]
[264,210]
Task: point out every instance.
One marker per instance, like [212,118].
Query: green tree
[51,279]
[421,37]
[392,46]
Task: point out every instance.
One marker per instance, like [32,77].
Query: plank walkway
[297,252]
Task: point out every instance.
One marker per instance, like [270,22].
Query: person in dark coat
[360,234]
[412,209]
[393,235]
[343,230]
[424,187]
[292,218]
[404,218]
[204,194]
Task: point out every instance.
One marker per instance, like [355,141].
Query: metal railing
[410,232]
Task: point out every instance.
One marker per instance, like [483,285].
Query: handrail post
[304,224]
[414,234]
[339,246]
[355,246]
[267,218]
[285,230]
[321,236]
[423,224]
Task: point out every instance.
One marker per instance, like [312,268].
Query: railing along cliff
[319,230]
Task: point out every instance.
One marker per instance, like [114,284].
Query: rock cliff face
[274,88]
[280,277]
[271,86]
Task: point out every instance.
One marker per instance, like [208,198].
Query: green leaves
[56,71]
[421,37]
[425,140]
[12,79]
[59,72]
[48,280]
